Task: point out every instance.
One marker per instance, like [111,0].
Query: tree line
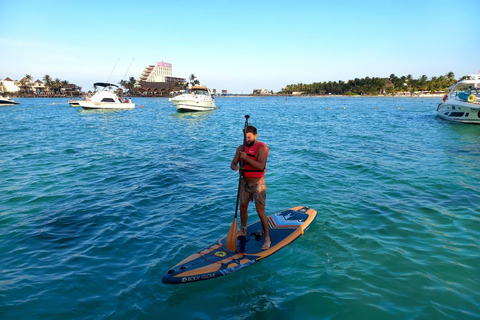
[55,84]
[372,86]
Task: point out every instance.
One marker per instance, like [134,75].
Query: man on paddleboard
[253,186]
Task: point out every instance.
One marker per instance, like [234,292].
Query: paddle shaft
[241,163]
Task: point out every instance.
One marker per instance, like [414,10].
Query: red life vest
[249,170]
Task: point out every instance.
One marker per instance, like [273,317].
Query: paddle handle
[241,163]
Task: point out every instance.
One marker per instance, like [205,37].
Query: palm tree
[393,78]
[403,84]
[380,84]
[450,78]
[26,83]
[64,83]
[413,85]
[58,83]
[48,81]
[129,85]
[423,82]
[193,80]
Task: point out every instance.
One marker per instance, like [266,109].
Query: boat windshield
[200,92]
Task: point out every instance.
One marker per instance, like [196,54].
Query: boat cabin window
[200,92]
[456,114]
[107,100]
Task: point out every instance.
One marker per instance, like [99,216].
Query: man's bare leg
[243,218]
[263,218]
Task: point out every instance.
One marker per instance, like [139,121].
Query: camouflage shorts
[251,191]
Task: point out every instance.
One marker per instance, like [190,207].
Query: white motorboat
[105,99]
[462,103]
[7,101]
[198,98]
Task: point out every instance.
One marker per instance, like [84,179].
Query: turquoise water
[96,206]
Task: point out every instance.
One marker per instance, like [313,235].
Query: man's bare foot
[242,232]
[266,244]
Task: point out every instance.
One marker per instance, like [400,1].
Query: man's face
[251,138]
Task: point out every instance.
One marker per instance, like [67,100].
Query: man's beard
[249,144]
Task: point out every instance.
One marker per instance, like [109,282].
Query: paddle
[232,233]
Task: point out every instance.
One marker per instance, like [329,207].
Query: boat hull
[105,105]
[193,105]
[74,103]
[4,103]
[458,111]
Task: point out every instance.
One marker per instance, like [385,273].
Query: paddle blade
[232,236]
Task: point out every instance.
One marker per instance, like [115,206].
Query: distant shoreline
[331,96]
[253,96]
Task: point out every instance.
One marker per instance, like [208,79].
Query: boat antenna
[108,80]
[128,69]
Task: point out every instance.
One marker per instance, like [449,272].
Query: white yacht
[6,101]
[462,103]
[105,99]
[198,98]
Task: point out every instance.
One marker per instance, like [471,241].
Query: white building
[39,87]
[8,85]
[162,72]
[261,92]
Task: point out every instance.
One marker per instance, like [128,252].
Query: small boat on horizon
[106,99]
[197,98]
[462,103]
[7,101]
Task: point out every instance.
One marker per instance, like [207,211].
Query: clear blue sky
[239,45]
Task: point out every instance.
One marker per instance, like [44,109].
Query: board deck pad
[216,260]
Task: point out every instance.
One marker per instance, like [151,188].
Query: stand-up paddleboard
[216,260]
